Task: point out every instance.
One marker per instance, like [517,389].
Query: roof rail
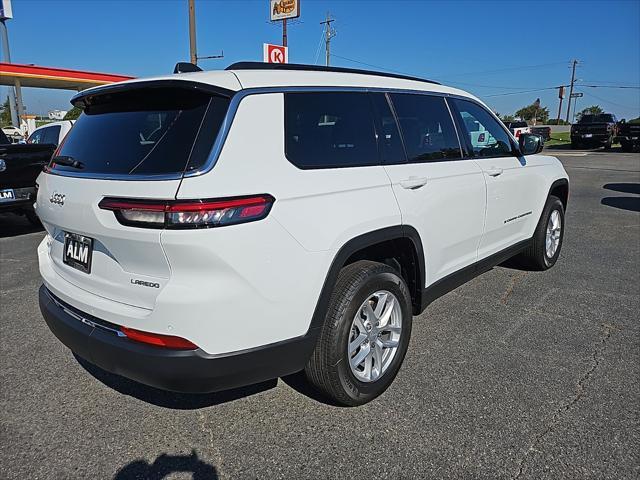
[319,68]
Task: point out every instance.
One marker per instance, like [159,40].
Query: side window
[51,135]
[329,130]
[389,141]
[486,136]
[37,136]
[427,128]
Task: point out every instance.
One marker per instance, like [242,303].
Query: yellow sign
[283,9]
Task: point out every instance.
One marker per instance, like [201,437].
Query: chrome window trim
[227,122]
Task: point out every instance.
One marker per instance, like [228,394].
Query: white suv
[212,229]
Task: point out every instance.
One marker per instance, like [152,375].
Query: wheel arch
[560,189]
[403,244]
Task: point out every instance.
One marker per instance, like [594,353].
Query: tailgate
[128,264]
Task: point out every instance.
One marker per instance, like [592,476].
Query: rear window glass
[329,130]
[144,132]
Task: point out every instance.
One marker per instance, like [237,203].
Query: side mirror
[530,143]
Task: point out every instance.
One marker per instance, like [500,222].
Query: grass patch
[558,138]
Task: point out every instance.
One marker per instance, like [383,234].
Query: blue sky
[490,48]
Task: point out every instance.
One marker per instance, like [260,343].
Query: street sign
[577,95]
[275,53]
[283,9]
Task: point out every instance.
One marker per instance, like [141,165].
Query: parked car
[51,133]
[13,134]
[594,130]
[20,164]
[517,128]
[544,132]
[185,257]
[629,135]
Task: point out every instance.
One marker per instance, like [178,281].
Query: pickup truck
[20,164]
[594,130]
[518,128]
[629,134]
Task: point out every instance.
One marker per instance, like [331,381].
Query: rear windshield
[602,118]
[155,131]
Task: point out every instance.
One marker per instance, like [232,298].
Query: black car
[629,135]
[594,131]
[20,165]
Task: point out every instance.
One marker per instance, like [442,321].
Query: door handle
[494,172]
[413,183]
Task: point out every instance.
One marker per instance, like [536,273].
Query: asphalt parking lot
[513,375]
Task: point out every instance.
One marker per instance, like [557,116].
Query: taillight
[481,137]
[518,132]
[178,214]
[158,340]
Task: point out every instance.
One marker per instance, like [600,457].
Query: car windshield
[600,118]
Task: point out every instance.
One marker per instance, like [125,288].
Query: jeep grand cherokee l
[263,220]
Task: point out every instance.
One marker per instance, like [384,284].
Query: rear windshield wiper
[67,161]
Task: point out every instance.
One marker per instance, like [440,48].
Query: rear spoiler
[85,98]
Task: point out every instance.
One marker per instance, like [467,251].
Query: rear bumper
[594,138]
[191,371]
[24,198]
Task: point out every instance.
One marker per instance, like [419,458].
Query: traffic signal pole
[560,96]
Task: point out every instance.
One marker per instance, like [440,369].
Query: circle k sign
[275,53]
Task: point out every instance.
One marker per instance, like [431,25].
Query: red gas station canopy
[48,77]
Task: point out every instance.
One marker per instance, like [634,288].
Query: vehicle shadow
[624,203]
[166,399]
[12,225]
[166,465]
[633,188]
[298,382]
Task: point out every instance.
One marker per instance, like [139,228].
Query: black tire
[535,256]
[33,218]
[328,369]
[575,145]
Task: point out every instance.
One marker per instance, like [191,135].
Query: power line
[613,103]
[518,93]
[444,76]
[608,86]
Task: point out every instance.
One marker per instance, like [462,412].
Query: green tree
[5,114]
[592,110]
[508,118]
[534,111]
[73,114]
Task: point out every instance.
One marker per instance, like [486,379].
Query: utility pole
[284,32]
[573,79]
[329,33]
[192,32]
